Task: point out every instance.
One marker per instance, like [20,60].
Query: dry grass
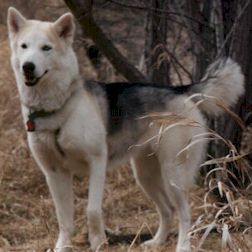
[27,218]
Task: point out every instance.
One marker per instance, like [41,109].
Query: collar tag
[30,124]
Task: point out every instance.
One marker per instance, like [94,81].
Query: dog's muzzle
[29,74]
[34,81]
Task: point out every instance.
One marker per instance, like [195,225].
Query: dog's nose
[29,67]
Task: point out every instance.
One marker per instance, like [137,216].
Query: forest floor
[27,217]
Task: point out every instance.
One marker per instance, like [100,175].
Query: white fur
[164,175]
[53,89]
[224,81]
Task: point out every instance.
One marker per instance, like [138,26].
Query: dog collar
[30,124]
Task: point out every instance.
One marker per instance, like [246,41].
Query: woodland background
[165,41]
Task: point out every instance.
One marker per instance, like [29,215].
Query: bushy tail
[223,83]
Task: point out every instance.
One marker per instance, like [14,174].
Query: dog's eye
[46,48]
[24,46]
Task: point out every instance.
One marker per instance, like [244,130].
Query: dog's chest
[61,151]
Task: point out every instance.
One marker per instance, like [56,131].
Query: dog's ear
[15,20]
[65,27]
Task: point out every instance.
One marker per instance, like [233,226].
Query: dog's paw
[63,243]
[63,249]
[96,241]
[183,249]
[152,243]
[183,245]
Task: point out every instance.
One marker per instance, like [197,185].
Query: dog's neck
[52,98]
[34,113]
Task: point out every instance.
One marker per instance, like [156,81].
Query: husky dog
[75,126]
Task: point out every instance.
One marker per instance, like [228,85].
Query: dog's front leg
[60,185]
[95,195]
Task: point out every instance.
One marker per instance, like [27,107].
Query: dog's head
[41,51]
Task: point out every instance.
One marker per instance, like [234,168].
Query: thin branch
[218,24]
[161,11]
[174,58]
[177,39]
[175,67]
[82,11]
[233,28]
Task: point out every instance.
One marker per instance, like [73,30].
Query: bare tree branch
[219,26]
[161,11]
[82,11]
[202,45]
[178,63]
[233,28]
[155,42]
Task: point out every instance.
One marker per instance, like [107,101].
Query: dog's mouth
[32,80]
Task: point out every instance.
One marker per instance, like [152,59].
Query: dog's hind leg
[179,196]
[148,175]
[178,170]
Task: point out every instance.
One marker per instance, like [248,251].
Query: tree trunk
[158,67]
[240,49]
[202,37]
[237,22]
[237,25]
